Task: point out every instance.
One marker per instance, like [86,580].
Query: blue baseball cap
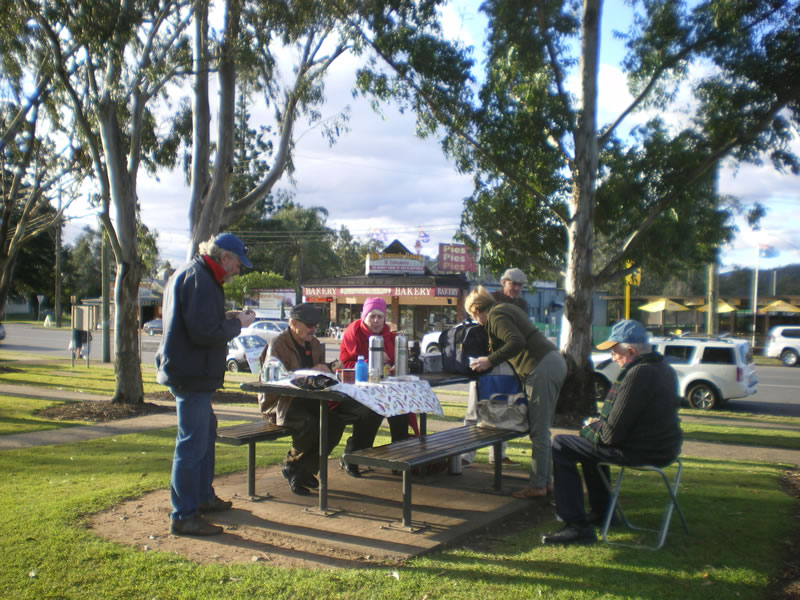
[626,332]
[231,243]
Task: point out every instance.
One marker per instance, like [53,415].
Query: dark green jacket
[513,338]
[640,413]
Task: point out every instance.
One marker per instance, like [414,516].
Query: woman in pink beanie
[355,343]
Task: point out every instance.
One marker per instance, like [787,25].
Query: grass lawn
[737,513]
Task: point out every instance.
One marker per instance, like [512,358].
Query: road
[778,387]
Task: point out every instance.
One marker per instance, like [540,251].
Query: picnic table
[393,397]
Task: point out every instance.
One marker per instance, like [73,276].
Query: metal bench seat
[250,434]
[416,452]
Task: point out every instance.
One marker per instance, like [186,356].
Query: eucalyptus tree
[112,62]
[244,58]
[34,168]
[542,157]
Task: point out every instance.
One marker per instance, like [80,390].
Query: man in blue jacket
[638,425]
[191,361]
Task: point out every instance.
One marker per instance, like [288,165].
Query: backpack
[461,342]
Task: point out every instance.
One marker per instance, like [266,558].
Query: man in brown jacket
[298,348]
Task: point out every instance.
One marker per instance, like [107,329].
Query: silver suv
[784,343]
[711,370]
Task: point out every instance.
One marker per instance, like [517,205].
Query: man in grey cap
[513,280]
[298,348]
[191,361]
[637,425]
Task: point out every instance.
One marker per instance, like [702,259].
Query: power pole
[712,316]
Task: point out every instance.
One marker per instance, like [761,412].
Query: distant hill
[739,282]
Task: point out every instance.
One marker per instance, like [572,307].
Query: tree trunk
[201,126]
[576,338]
[207,215]
[122,187]
[6,278]
[127,362]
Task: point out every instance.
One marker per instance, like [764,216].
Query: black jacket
[194,346]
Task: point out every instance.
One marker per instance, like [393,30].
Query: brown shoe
[195,525]
[216,504]
[530,493]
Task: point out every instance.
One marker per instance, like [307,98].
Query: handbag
[504,411]
[501,401]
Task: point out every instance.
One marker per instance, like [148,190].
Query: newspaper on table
[392,396]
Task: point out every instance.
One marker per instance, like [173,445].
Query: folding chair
[614,507]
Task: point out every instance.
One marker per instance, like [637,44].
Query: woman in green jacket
[539,366]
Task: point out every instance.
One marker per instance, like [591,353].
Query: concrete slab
[286,529]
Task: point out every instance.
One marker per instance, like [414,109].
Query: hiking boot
[308,479]
[194,525]
[216,504]
[571,534]
[351,470]
[295,483]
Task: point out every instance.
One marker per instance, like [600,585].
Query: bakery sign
[394,264]
[316,293]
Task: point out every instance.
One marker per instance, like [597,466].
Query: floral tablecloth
[387,398]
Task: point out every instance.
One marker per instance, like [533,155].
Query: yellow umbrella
[662,304]
[780,306]
[722,307]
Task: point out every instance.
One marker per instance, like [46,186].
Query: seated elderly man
[638,424]
[298,348]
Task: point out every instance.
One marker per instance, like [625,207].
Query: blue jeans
[193,461]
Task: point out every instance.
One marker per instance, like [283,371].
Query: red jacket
[355,343]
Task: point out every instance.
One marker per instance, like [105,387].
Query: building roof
[392,280]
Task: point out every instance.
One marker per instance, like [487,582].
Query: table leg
[251,469]
[323,457]
[323,509]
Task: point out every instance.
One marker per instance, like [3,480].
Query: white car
[430,342]
[266,329]
[243,349]
[784,343]
[710,370]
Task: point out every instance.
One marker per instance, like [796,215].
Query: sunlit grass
[738,518]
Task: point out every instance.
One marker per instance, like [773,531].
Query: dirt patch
[100,411]
[361,531]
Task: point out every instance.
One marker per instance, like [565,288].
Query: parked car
[711,370]
[2,332]
[784,343]
[266,329]
[238,350]
[430,342]
[153,327]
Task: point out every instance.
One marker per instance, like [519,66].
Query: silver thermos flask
[401,355]
[375,358]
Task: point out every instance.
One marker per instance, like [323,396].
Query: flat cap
[307,313]
[514,274]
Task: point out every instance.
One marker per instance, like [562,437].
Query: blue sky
[380,179]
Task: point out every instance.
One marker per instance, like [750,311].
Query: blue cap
[231,243]
[626,332]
